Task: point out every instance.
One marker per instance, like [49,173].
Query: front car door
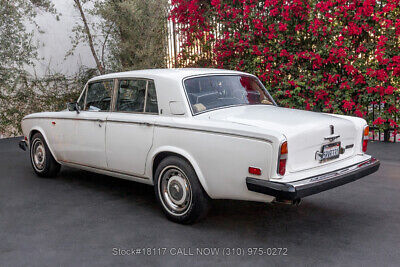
[130,127]
[84,135]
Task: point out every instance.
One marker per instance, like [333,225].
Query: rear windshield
[217,91]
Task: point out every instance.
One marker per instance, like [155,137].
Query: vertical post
[379,115]
[373,118]
[174,42]
[395,117]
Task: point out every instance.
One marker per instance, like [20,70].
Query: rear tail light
[365,138]
[282,158]
[254,170]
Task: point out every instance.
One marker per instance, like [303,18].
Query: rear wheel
[42,160]
[179,191]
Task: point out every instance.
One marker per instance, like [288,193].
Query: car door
[130,126]
[85,132]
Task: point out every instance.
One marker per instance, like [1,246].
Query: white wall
[55,42]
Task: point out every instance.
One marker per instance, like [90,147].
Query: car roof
[165,73]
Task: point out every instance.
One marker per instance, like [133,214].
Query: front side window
[98,96]
[216,91]
[132,96]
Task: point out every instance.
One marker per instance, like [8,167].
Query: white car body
[220,144]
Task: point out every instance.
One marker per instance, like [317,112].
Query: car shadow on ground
[315,215]
[80,216]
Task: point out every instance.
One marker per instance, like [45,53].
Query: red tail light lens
[365,139]
[282,166]
[365,145]
[255,171]
[283,153]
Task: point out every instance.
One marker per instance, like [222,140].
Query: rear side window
[98,96]
[131,95]
[136,95]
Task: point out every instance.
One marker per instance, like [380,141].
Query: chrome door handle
[145,123]
[100,122]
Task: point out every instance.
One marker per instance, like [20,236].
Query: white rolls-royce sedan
[197,135]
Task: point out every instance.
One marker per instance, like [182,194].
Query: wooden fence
[389,135]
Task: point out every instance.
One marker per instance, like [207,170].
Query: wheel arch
[161,153]
[35,130]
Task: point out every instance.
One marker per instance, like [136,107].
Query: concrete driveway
[87,219]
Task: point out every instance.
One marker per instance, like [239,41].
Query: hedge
[334,56]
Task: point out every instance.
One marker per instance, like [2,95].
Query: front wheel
[42,160]
[179,191]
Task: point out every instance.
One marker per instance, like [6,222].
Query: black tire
[43,164]
[172,174]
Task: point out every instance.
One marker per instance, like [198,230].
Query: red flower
[348,105]
[341,55]
[389,90]
[282,27]
[379,121]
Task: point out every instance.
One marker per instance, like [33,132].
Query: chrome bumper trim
[315,184]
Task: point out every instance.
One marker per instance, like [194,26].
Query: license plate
[330,151]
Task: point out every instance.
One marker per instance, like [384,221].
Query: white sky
[55,42]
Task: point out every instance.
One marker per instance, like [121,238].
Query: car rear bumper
[313,185]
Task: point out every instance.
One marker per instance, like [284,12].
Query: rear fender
[183,154]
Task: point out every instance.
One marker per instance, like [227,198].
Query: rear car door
[129,134]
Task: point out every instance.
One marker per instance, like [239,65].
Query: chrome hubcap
[38,154]
[175,190]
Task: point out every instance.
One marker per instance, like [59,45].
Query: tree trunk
[89,37]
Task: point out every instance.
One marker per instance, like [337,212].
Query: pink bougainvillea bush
[333,56]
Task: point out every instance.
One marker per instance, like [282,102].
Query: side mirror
[73,107]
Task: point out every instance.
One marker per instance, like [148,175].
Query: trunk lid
[306,131]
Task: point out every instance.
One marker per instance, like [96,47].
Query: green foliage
[126,34]
[136,31]
[32,94]
[20,92]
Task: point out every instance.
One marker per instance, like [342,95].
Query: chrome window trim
[145,96]
[83,94]
[114,102]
